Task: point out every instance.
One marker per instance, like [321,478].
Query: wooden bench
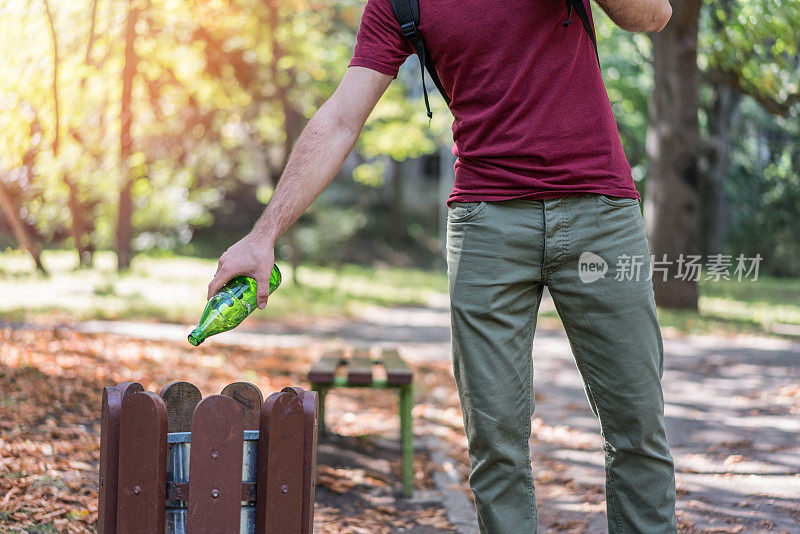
[376,368]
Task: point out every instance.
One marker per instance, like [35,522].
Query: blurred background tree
[151,125]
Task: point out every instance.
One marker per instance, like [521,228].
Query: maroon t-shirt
[531,115]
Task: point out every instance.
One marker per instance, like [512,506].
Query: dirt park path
[733,414]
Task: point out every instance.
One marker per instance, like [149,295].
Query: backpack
[407,14]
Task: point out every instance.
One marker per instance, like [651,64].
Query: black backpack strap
[580,9]
[407,14]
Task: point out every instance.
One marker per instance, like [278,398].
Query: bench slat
[324,370]
[359,368]
[397,372]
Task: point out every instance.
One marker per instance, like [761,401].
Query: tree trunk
[125,214]
[79,227]
[723,122]
[671,204]
[76,209]
[11,212]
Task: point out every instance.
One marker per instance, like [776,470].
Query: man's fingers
[216,283]
[220,279]
[221,261]
[262,290]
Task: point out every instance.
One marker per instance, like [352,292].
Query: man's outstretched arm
[638,15]
[316,158]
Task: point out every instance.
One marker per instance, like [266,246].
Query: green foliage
[208,113]
[215,77]
[370,174]
[398,127]
[765,193]
[323,234]
[628,75]
[753,45]
[27,110]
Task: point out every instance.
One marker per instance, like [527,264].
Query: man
[541,188]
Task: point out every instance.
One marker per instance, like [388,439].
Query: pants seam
[590,389]
[561,244]
[544,244]
[529,387]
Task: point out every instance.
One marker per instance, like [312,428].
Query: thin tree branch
[10,211]
[89,45]
[55,74]
[736,81]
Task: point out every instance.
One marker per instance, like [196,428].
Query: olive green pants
[586,250]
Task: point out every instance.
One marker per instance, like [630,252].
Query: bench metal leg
[406,395]
[407,438]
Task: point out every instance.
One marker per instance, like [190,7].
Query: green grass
[173,288]
[768,306]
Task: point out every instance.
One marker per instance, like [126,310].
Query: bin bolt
[214,493]
[137,490]
[284,488]
[214,453]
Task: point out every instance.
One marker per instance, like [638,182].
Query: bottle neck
[196,337]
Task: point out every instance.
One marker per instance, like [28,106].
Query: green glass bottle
[235,301]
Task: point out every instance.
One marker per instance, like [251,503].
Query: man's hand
[319,152]
[251,256]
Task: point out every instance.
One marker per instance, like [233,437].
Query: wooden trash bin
[228,463]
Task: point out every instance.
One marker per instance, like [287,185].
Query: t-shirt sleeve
[379,44]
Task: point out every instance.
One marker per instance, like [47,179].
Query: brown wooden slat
[309,400]
[109,460]
[323,371]
[215,467]
[129,388]
[397,371]
[249,399]
[181,398]
[142,464]
[279,503]
[111,479]
[359,368]
[179,491]
[310,411]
